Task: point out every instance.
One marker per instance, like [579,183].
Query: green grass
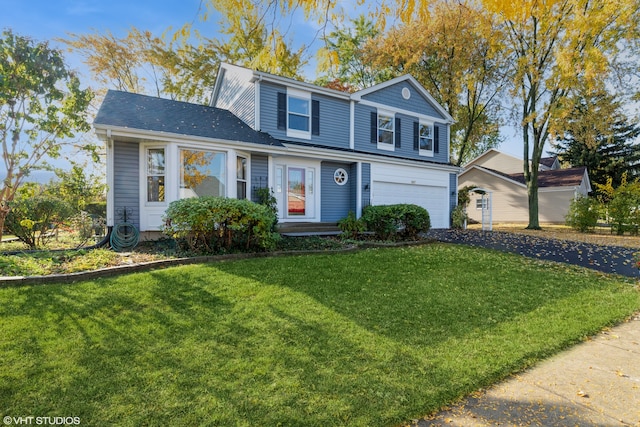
[370,338]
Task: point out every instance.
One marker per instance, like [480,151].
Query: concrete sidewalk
[596,383]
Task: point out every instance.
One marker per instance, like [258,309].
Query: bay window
[202,173]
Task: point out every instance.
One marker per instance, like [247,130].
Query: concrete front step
[308,229]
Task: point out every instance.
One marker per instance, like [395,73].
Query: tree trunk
[532,193]
[3,217]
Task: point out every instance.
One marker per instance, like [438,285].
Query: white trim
[381,145]
[427,153]
[110,180]
[352,120]
[314,201]
[287,149]
[357,96]
[358,189]
[490,172]
[256,105]
[414,114]
[305,96]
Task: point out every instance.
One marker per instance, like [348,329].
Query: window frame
[241,181]
[149,174]
[391,145]
[299,96]
[223,174]
[421,151]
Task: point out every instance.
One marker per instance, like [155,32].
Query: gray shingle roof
[571,177]
[148,113]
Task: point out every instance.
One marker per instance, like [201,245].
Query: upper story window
[298,114]
[426,139]
[386,130]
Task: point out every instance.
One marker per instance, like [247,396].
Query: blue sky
[51,19]
[48,20]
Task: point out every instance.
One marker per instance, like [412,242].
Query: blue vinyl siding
[366,184]
[259,174]
[334,118]
[336,200]
[453,191]
[126,181]
[363,137]
[392,96]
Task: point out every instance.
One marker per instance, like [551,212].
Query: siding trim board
[423,117]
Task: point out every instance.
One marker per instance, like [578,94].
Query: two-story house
[322,152]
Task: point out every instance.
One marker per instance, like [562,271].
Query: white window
[426,139]
[155,175]
[202,173]
[298,114]
[386,140]
[482,203]
[241,177]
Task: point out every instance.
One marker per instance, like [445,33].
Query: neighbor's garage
[393,184]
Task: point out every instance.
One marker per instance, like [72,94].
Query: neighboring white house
[502,174]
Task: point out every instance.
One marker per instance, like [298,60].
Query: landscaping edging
[9,281]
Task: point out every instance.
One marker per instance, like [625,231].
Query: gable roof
[148,113]
[357,96]
[250,75]
[548,161]
[572,177]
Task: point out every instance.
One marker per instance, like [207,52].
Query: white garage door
[434,199]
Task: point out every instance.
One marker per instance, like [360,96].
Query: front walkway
[596,383]
[608,259]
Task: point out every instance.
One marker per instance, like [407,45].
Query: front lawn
[370,338]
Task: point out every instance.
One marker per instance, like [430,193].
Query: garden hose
[124,236]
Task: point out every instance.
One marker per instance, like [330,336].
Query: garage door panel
[432,198]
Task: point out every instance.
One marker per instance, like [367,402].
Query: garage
[394,185]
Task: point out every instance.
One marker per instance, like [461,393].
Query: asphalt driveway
[608,259]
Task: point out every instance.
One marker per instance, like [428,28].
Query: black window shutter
[282,110]
[315,117]
[416,135]
[436,139]
[398,136]
[374,127]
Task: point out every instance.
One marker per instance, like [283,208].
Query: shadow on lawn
[428,300]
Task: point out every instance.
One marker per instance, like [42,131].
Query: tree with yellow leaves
[557,46]
[458,55]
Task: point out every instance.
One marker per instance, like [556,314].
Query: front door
[295,191]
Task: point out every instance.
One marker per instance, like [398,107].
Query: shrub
[351,226]
[459,217]
[215,224]
[624,208]
[34,219]
[396,222]
[583,214]
[265,197]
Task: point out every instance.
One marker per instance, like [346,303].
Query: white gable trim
[390,109]
[357,96]
[492,173]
